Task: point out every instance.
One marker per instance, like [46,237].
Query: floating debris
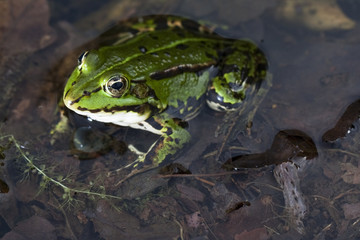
[320,15]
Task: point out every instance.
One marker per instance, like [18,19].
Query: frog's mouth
[123,116]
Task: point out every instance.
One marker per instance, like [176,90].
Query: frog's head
[105,93]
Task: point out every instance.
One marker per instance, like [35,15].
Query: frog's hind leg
[241,71]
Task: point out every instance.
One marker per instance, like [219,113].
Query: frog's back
[169,53]
[151,24]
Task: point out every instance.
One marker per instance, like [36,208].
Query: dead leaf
[21,109]
[194,220]
[351,210]
[24,26]
[320,15]
[258,233]
[33,228]
[24,29]
[352,173]
[112,224]
[344,124]
[190,193]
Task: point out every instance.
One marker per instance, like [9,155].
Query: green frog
[155,73]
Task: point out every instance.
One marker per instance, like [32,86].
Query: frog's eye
[116,86]
[81,59]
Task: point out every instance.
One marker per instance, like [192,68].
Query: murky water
[51,191]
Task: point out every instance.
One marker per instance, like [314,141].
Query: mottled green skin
[170,64]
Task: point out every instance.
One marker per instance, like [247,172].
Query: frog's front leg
[173,137]
[241,71]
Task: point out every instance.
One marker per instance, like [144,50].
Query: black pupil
[117,85]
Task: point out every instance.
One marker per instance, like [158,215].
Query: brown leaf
[258,233]
[34,227]
[344,124]
[190,193]
[287,145]
[317,15]
[351,210]
[194,220]
[352,173]
[112,224]
[24,26]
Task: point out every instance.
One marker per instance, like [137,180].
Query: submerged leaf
[4,188]
[344,124]
[287,146]
[317,15]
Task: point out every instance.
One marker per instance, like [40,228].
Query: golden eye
[116,86]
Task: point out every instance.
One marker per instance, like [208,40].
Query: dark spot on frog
[230,68]
[170,72]
[143,49]
[262,67]
[168,131]
[209,55]
[154,124]
[155,54]
[73,83]
[67,92]
[95,90]
[190,25]
[130,30]
[180,34]
[85,93]
[154,37]
[229,50]
[181,123]
[182,46]
[161,23]
[82,57]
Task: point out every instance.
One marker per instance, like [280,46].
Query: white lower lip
[126,119]
[118,118]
